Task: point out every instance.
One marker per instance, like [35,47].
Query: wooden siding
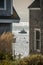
[5,27]
[6,12]
[35,21]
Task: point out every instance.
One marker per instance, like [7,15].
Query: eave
[9,21]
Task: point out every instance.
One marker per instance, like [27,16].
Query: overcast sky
[21,7]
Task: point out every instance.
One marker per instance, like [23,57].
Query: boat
[23,31]
[27,42]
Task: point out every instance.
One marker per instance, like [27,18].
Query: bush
[32,60]
[5,45]
[15,62]
[9,57]
[5,56]
[2,56]
[5,62]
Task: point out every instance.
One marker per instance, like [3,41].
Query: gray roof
[35,4]
[14,16]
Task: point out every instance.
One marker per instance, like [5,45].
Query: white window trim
[38,50]
[11,6]
[34,8]
[4,6]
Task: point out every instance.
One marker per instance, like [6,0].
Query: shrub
[32,60]
[6,40]
[5,62]
[15,62]
[9,57]
[5,56]
[2,56]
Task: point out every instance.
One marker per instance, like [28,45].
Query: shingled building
[36,27]
[8,15]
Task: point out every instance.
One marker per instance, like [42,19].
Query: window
[2,4]
[37,40]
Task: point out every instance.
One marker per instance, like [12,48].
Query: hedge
[36,59]
[32,60]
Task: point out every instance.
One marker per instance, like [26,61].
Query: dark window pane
[37,35]
[1,3]
[37,45]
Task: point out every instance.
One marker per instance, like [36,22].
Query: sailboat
[23,31]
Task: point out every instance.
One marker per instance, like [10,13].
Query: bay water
[21,46]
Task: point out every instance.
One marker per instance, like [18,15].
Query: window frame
[4,6]
[38,50]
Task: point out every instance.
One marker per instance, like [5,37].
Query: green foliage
[8,56]
[32,60]
[2,56]
[5,62]
[15,62]
[5,56]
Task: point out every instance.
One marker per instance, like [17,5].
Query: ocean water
[21,46]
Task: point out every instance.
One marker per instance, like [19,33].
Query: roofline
[35,1]
[16,12]
[31,4]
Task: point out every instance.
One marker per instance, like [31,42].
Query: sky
[21,7]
